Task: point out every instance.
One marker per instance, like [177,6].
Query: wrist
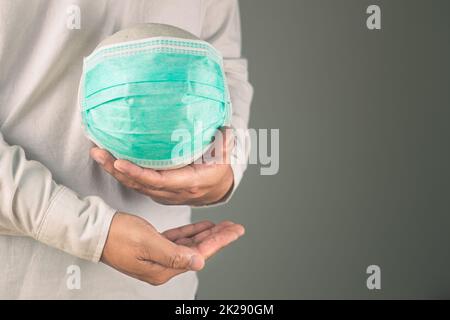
[226,187]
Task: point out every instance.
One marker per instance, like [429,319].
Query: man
[58,208]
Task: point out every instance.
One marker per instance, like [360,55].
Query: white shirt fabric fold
[56,204]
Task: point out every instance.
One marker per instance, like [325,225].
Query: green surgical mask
[157,102]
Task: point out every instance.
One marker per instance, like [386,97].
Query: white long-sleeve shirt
[56,204]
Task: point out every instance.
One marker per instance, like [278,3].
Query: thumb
[171,255]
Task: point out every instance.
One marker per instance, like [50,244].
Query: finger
[202,235]
[102,157]
[148,177]
[188,242]
[197,238]
[188,230]
[156,274]
[106,161]
[222,234]
[172,180]
[190,178]
[171,255]
[127,182]
[215,242]
[165,197]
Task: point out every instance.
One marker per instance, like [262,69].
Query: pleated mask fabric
[157,102]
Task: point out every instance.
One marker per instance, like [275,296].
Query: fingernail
[118,165]
[197,263]
[99,159]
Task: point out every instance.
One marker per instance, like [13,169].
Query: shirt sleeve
[222,28]
[33,205]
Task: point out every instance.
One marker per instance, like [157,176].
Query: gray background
[364,164]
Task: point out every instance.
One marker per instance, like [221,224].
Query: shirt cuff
[238,172]
[77,226]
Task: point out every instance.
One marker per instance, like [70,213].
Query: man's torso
[41,57]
